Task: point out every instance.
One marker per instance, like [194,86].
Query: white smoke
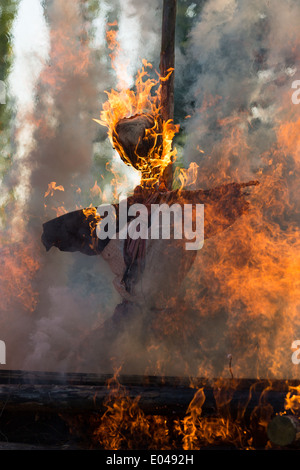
[242,59]
[245,55]
[59,78]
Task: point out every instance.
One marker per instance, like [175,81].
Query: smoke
[245,55]
[54,140]
[242,126]
[55,299]
[73,294]
[147,21]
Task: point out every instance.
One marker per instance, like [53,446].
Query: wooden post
[167,62]
[167,58]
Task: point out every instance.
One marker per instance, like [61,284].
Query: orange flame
[125,426]
[117,62]
[53,187]
[18,268]
[292,400]
[145,100]
[127,103]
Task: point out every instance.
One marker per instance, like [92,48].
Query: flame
[18,269]
[96,190]
[186,178]
[90,211]
[53,187]
[128,103]
[95,219]
[292,400]
[198,431]
[117,61]
[68,51]
[125,426]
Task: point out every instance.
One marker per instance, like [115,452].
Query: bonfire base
[49,410]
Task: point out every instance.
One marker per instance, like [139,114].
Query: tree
[8,12]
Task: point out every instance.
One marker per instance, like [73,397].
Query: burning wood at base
[91,411]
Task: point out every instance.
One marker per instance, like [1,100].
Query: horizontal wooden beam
[76,393]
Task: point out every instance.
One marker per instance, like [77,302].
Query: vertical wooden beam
[167,62]
[167,58]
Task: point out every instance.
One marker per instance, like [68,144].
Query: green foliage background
[8,11]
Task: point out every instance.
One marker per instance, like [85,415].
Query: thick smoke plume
[50,301]
[243,125]
[60,151]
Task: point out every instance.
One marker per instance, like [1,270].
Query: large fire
[243,289]
[246,279]
[240,299]
[126,425]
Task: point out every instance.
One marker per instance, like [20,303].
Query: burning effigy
[148,272]
[174,317]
